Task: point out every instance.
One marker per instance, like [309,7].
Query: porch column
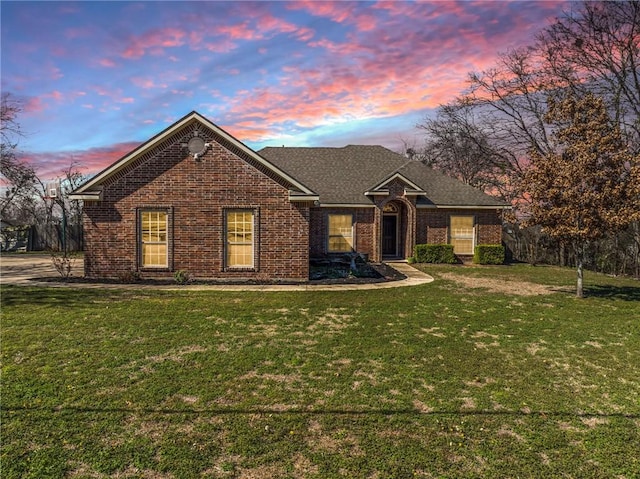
[377,235]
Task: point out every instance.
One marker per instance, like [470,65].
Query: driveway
[23,269]
[26,269]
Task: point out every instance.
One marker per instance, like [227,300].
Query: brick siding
[196,192]
[433,225]
[364,231]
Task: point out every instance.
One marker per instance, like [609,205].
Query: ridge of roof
[342,175]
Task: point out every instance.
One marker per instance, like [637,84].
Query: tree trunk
[579,288]
[579,261]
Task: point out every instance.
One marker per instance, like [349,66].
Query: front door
[390,235]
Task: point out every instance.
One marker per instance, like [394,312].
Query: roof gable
[91,189]
[353,174]
[409,186]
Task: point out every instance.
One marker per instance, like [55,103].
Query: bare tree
[455,143]
[594,47]
[18,177]
[597,50]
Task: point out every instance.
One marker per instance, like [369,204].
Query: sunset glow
[96,79]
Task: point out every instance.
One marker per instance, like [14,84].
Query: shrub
[129,276]
[181,276]
[434,253]
[489,254]
[63,262]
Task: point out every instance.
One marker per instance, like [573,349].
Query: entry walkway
[25,270]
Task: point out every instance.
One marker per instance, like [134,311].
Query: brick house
[195,198]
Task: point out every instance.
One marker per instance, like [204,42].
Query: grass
[487,372]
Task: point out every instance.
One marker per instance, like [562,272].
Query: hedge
[489,254]
[434,253]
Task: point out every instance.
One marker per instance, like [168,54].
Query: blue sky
[97,78]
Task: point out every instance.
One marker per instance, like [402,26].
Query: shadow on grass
[625,293]
[318,412]
[25,295]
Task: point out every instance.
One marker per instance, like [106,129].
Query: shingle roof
[343,175]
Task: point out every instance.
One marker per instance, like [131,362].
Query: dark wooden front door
[390,235]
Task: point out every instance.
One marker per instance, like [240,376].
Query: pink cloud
[241,31]
[107,63]
[270,23]
[339,12]
[49,165]
[336,11]
[146,83]
[154,41]
[365,23]
[362,87]
[222,46]
[34,105]
[53,72]
[56,95]
[333,47]
[100,90]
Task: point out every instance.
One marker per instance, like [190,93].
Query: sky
[96,79]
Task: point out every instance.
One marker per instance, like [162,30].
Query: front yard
[487,372]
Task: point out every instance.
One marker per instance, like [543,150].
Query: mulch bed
[334,274]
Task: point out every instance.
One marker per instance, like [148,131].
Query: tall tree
[590,185]
[457,144]
[18,178]
[507,104]
[594,47]
[597,50]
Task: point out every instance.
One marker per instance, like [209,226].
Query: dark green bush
[488,254]
[434,253]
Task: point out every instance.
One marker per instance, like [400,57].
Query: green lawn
[487,372]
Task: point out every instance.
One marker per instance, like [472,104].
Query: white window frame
[349,236]
[228,243]
[462,235]
[154,241]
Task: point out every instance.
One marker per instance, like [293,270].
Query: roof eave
[466,207]
[87,196]
[296,196]
[140,150]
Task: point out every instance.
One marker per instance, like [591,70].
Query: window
[240,239]
[340,233]
[154,239]
[461,234]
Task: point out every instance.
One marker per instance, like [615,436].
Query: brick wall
[433,225]
[319,226]
[196,193]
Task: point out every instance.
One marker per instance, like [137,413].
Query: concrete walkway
[26,269]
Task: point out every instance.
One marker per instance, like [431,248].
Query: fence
[616,253]
[43,237]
